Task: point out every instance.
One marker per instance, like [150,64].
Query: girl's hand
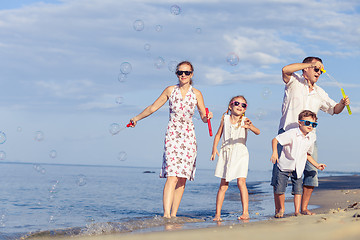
[247,123]
[213,155]
[274,158]
[321,166]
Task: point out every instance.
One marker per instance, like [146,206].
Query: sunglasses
[236,103]
[187,73]
[317,70]
[307,123]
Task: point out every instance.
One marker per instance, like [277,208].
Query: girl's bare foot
[245,216]
[217,219]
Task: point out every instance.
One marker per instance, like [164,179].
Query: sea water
[71,200]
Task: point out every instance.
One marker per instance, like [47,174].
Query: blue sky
[60,62]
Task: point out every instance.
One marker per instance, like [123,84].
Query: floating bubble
[39,168]
[3,218]
[125,68]
[175,10]
[266,93]
[39,136]
[147,47]
[114,128]
[2,155]
[172,66]
[159,62]
[122,156]
[53,189]
[119,100]
[232,59]
[51,219]
[81,180]
[2,137]
[260,114]
[122,77]
[198,30]
[53,154]
[138,25]
[158,28]
[19,129]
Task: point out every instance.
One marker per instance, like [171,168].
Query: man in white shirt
[302,93]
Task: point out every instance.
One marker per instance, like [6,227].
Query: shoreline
[337,217]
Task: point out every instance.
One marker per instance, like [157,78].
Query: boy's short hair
[307,113]
[310,59]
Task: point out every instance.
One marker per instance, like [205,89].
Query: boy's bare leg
[280,198]
[220,198]
[168,195]
[297,204]
[307,191]
[241,182]
[179,191]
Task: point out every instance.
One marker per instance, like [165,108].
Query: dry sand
[337,218]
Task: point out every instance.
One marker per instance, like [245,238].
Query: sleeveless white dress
[234,156]
[180,141]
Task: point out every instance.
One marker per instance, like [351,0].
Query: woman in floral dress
[179,161]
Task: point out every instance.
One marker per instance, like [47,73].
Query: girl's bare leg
[168,195]
[179,191]
[220,198]
[241,182]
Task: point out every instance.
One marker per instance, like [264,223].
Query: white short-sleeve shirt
[295,148]
[298,98]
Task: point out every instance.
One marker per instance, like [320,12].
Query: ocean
[46,199]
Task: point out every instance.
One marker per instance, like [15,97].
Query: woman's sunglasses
[307,123]
[187,73]
[236,103]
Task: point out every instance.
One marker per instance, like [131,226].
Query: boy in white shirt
[297,149]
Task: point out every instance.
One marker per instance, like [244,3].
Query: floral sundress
[179,157]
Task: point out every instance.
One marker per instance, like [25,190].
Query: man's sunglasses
[187,73]
[317,70]
[236,103]
[307,123]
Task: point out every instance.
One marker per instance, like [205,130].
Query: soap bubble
[198,30]
[39,168]
[3,218]
[158,28]
[53,189]
[147,47]
[159,62]
[260,114]
[53,154]
[175,10]
[232,59]
[2,155]
[125,68]
[119,100]
[39,136]
[81,180]
[19,129]
[122,77]
[2,137]
[114,128]
[138,25]
[122,156]
[266,93]
[172,66]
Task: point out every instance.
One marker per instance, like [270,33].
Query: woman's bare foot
[245,216]
[307,212]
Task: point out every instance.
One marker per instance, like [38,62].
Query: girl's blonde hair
[228,108]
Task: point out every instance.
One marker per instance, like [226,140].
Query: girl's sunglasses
[236,103]
[307,123]
[187,73]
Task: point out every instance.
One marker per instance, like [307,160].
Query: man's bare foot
[217,219]
[307,212]
[244,217]
[297,214]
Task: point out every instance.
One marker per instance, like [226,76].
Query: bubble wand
[208,121]
[342,90]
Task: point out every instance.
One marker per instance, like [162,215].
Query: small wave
[117,227]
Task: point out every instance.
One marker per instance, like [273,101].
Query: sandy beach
[338,217]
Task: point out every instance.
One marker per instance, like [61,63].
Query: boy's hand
[213,155]
[321,166]
[274,158]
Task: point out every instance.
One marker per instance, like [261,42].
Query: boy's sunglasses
[187,73]
[317,70]
[236,103]
[307,123]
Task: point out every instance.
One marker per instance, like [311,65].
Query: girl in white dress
[234,156]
